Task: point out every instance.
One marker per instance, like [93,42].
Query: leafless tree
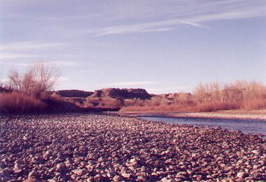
[38,78]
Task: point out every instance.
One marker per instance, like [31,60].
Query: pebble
[241,175]
[83,147]
[117,178]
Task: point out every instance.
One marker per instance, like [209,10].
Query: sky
[161,45]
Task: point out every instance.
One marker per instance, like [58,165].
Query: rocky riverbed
[109,148]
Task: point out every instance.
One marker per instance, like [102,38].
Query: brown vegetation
[241,95]
[17,102]
[26,92]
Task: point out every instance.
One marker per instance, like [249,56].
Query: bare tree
[14,80]
[38,78]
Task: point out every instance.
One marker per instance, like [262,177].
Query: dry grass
[254,104]
[17,102]
[215,106]
[210,97]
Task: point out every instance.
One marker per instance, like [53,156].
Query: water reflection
[246,126]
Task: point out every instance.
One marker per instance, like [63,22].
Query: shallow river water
[245,126]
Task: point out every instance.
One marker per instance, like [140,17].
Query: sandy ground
[228,114]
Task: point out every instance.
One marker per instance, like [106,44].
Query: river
[245,126]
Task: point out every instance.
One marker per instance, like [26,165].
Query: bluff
[114,98]
[73,93]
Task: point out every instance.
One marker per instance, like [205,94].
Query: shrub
[215,106]
[17,102]
[206,98]
[254,104]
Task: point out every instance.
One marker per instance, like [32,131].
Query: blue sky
[160,45]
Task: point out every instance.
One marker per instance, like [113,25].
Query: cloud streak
[7,55]
[195,15]
[159,26]
[20,50]
[57,63]
[19,46]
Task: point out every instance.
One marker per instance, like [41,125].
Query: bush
[254,104]
[215,106]
[206,98]
[17,102]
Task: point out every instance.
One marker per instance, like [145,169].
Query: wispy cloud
[8,55]
[27,63]
[158,26]
[18,46]
[20,50]
[190,13]
[127,84]
[141,15]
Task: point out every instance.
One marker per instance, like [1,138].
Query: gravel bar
[79,147]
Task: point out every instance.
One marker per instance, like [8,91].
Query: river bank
[80,147]
[229,114]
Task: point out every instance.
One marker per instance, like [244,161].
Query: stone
[79,172]
[241,175]
[126,175]
[117,178]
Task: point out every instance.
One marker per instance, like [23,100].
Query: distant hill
[122,93]
[73,93]
[114,97]
[106,99]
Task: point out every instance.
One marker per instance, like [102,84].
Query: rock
[47,155]
[117,178]
[51,180]
[31,176]
[60,167]
[182,173]
[141,178]
[25,137]
[165,180]
[17,167]
[90,179]
[79,172]
[133,162]
[256,152]
[241,175]
[126,175]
